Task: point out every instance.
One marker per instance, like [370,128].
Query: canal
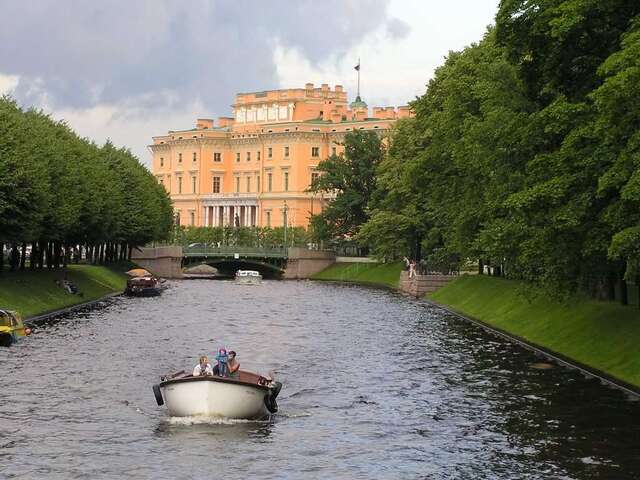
[376,386]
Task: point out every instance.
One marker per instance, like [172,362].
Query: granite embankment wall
[303,263]
[419,285]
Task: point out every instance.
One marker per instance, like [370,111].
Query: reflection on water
[375,386]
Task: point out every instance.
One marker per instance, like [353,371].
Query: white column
[206,217]
[247,216]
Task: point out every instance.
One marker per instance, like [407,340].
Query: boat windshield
[247,273]
[6,320]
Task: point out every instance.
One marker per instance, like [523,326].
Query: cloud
[81,54]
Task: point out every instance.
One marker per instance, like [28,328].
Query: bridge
[270,262]
[277,262]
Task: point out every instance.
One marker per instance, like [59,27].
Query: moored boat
[248,277]
[143,286]
[250,396]
[11,328]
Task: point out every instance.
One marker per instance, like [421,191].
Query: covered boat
[249,396]
[11,328]
[148,286]
[248,277]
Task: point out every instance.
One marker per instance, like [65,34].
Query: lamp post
[284,214]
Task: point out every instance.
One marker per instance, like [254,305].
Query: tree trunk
[23,255]
[610,287]
[57,250]
[41,248]
[34,256]
[624,294]
[15,257]
[497,271]
[129,255]
[1,257]
[101,254]
[480,267]
[49,255]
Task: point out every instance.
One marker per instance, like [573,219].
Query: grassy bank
[601,335]
[385,274]
[35,293]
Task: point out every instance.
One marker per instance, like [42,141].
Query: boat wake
[203,420]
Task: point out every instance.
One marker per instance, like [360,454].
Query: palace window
[258,155]
[270,152]
[286,181]
[194,156]
[315,151]
[193,184]
[216,185]
[179,184]
[237,184]
[334,151]
[217,157]
[248,184]
[248,156]
[258,183]
[192,218]
[268,221]
[314,176]
[269,181]
[161,161]
[237,156]
[180,158]
[286,151]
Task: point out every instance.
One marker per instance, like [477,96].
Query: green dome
[358,103]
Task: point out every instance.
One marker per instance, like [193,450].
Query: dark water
[375,386]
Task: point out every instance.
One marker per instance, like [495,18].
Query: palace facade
[254,169]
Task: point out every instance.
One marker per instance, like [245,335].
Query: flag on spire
[357,67]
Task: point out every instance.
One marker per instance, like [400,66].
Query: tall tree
[351,177]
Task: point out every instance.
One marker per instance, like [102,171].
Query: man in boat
[203,367]
[233,365]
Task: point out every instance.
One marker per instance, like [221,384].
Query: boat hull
[248,280]
[214,397]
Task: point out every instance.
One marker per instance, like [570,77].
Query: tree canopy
[58,190]
[524,151]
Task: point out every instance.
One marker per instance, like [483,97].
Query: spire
[358,103]
[357,68]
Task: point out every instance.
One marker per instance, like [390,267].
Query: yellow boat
[11,328]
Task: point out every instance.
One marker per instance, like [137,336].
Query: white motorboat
[249,396]
[248,277]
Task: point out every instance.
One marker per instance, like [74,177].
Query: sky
[127,71]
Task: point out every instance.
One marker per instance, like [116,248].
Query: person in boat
[222,368]
[203,367]
[233,365]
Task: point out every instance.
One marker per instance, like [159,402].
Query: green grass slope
[602,335]
[34,293]
[386,274]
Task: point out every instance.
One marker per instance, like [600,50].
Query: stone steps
[422,284]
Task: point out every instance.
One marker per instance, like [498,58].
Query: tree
[352,178]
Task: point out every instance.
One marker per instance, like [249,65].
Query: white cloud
[394,70]
[128,126]
[8,83]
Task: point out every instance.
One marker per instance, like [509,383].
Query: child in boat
[222,368]
[203,367]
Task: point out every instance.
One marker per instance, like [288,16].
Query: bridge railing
[228,251]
